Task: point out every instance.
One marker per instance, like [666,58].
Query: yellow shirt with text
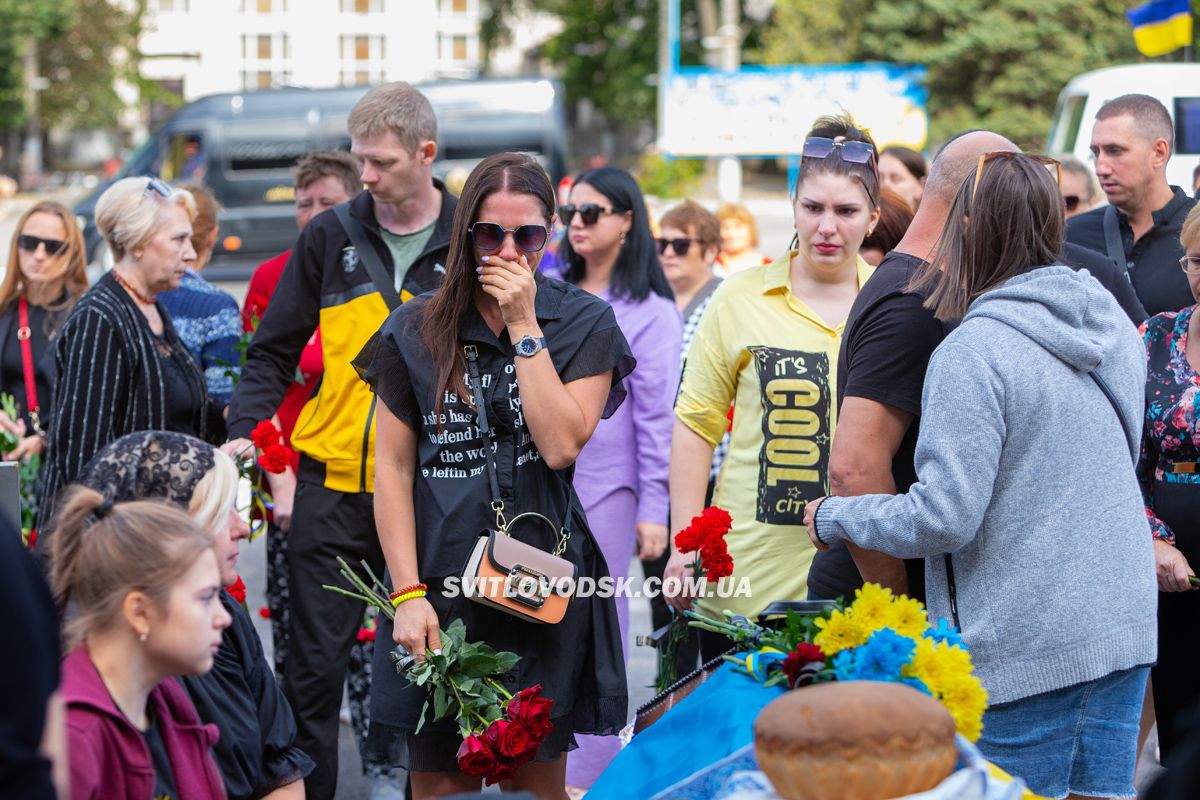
[760,347]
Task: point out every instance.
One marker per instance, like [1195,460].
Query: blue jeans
[1081,739]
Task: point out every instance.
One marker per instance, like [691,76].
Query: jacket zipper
[952,590]
[367,443]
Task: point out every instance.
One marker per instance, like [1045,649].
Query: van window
[1067,122]
[258,149]
[1187,125]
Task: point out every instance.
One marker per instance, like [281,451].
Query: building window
[458,48]
[457,6]
[265,60]
[362,6]
[264,6]
[362,59]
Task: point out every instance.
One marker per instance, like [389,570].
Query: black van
[243,147]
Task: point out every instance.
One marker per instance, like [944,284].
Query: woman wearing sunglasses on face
[768,344]
[121,365]
[1025,477]
[46,275]
[551,358]
[621,474]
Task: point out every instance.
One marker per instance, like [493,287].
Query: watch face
[527,346]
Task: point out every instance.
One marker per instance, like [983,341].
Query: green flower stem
[498,688]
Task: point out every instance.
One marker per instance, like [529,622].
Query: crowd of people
[964,380]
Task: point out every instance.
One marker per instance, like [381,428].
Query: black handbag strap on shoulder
[489,435]
[368,256]
[1112,400]
[1112,238]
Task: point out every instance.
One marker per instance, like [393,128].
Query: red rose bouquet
[501,731]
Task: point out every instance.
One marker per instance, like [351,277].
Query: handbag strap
[1112,239]
[1117,409]
[489,434]
[24,332]
[368,256]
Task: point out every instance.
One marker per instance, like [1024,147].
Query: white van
[1176,86]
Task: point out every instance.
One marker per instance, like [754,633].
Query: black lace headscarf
[150,465]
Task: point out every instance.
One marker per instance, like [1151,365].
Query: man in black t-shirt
[888,341]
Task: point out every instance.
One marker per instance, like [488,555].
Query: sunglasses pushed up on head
[854,152]
[490,236]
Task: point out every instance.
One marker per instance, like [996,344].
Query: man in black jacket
[349,267]
[1132,141]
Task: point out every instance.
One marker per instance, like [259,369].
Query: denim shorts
[1081,739]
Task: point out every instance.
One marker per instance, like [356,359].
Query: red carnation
[366,634]
[689,539]
[275,458]
[265,434]
[475,757]
[238,590]
[719,518]
[717,563]
[264,612]
[804,654]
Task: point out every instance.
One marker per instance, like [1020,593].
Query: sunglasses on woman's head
[490,236]
[30,244]
[1049,163]
[156,185]
[855,152]
[588,212]
[680,246]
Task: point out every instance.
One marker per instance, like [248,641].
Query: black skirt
[579,663]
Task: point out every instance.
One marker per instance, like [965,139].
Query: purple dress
[621,475]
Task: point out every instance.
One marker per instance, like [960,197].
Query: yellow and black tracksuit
[325,282]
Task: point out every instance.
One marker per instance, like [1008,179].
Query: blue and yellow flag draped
[1161,26]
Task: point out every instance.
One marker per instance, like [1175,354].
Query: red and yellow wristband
[408,593]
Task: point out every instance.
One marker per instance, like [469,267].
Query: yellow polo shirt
[760,347]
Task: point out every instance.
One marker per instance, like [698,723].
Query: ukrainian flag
[1161,26]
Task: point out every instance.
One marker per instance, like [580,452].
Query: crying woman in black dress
[432,494]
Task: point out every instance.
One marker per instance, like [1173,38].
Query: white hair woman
[121,365]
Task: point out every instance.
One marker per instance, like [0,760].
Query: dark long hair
[442,320]
[1011,224]
[638,270]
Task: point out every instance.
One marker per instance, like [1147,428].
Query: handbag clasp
[527,586]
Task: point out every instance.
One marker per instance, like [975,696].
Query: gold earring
[622,237]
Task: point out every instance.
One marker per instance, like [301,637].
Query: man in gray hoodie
[1025,474]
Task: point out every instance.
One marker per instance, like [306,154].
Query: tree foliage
[84,62]
[79,45]
[995,64]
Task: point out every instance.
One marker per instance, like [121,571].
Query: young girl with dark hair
[622,472]
[142,583]
[768,344]
[550,358]
[1027,507]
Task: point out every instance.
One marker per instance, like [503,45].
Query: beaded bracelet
[397,600]
[415,587]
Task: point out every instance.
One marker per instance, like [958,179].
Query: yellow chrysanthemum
[937,664]
[839,632]
[872,608]
[966,700]
[907,617]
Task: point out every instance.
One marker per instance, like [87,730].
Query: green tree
[23,23]
[996,64]
[84,62]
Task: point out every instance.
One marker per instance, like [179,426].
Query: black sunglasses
[680,246]
[490,236]
[588,212]
[30,244]
[1071,201]
[158,185]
